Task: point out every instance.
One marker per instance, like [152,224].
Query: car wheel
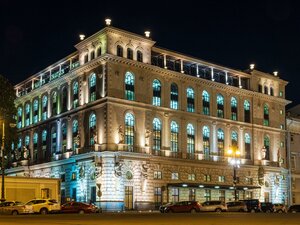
[44,211]
[193,211]
[294,211]
[14,213]
[280,211]
[81,212]
[218,210]
[268,211]
[252,210]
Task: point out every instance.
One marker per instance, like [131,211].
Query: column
[240,82]
[226,77]
[103,80]
[40,107]
[181,66]
[241,141]
[31,113]
[165,61]
[227,137]
[58,100]
[58,135]
[212,74]
[197,70]
[49,104]
[69,95]
[214,137]
[32,84]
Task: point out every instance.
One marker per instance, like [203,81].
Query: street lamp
[2,159]
[234,155]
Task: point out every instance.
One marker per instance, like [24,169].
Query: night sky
[233,33]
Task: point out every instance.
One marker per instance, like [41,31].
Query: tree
[7,114]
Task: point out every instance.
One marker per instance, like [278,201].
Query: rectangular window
[248,195]
[192,194]
[157,197]
[222,195]
[93,194]
[207,178]
[63,177]
[175,194]
[157,175]
[192,177]
[73,177]
[175,176]
[74,194]
[207,195]
[249,180]
[222,179]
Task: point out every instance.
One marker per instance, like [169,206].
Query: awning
[212,186]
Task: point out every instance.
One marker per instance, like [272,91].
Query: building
[130,125]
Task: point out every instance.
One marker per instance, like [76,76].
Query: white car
[213,206]
[44,206]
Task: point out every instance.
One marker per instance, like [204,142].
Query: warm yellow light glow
[147,33]
[237,152]
[252,66]
[229,151]
[108,21]
[81,36]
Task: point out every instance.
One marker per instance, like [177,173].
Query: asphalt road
[154,219]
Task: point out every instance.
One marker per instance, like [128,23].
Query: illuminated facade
[129,125]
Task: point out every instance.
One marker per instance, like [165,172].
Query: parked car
[253,205]
[213,206]
[280,208]
[78,207]
[236,206]
[267,207]
[44,206]
[15,208]
[184,206]
[294,209]
[162,207]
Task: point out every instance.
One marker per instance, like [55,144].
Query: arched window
[205,103]
[27,114]
[26,144]
[234,110]
[190,140]
[220,106]
[190,100]
[247,146]
[266,115]
[53,139]
[98,51]
[75,94]
[44,144]
[271,91]
[35,111]
[20,113]
[45,108]
[156,134]
[19,145]
[75,135]
[92,87]
[220,135]
[35,147]
[206,144]
[119,51]
[64,136]
[266,90]
[92,129]
[174,136]
[139,56]
[234,139]
[260,88]
[129,53]
[129,129]
[54,103]
[156,100]
[64,99]
[86,58]
[247,118]
[267,147]
[174,96]
[129,86]
[92,55]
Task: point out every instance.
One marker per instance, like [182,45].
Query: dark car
[267,207]
[294,209]
[253,205]
[184,206]
[78,207]
[162,207]
[238,206]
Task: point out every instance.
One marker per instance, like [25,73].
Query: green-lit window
[64,136]
[64,99]
[156,134]
[174,96]
[156,100]
[206,142]
[44,108]
[20,113]
[234,139]
[75,134]
[247,146]
[54,103]
[44,144]
[35,111]
[174,136]
[129,86]
[234,109]
[220,135]
[53,139]
[75,94]
[267,147]
[27,114]
[129,129]
[220,106]
[35,147]
[92,87]
[190,139]
[266,115]
[247,117]
[27,141]
[92,128]
[190,95]
[205,103]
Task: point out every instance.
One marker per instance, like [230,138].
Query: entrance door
[128,198]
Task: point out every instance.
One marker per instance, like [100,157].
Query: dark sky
[234,33]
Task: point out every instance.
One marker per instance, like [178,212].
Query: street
[154,218]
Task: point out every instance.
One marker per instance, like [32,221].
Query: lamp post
[234,155]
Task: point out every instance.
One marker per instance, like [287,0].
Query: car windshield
[53,201]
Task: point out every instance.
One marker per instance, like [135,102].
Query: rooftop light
[107,22]
[81,36]
[275,73]
[252,66]
[147,34]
